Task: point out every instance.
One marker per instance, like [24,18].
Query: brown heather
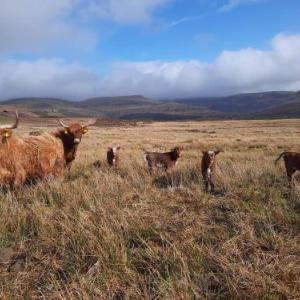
[122,234]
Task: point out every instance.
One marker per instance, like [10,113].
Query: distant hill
[124,107]
[252,105]
[46,107]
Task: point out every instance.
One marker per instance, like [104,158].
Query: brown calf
[292,164]
[113,156]
[208,168]
[166,160]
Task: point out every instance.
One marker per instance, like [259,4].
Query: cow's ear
[217,151]
[84,130]
[6,133]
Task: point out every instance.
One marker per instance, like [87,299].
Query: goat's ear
[119,147]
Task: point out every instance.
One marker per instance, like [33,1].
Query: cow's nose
[76,140]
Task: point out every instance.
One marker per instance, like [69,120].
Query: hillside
[253,105]
[126,107]
[46,107]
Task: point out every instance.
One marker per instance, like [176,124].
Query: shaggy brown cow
[11,171]
[70,137]
[166,160]
[292,164]
[113,156]
[37,157]
[6,130]
[208,168]
[54,152]
[36,132]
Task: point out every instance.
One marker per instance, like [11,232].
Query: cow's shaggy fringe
[103,233]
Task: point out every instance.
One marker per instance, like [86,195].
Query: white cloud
[46,78]
[245,70]
[36,26]
[124,11]
[231,4]
[30,25]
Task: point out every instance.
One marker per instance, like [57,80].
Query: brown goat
[292,164]
[113,156]
[208,168]
[166,160]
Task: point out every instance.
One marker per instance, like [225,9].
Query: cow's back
[12,171]
[45,156]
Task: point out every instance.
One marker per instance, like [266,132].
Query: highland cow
[37,157]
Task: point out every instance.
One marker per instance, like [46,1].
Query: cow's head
[178,151]
[113,150]
[72,133]
[210,156]
[7,130]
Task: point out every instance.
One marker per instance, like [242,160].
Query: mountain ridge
[273,104]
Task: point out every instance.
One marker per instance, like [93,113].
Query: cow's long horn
[90,123]
[15,125]
[62,124]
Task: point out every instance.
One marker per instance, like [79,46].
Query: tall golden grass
[102,233]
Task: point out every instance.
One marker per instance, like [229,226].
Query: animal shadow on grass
[102,165]
[97,164]
[168,180]
[217,192]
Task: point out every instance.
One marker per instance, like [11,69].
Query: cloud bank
[35,25]
[244,70]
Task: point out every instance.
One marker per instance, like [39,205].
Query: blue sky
[76,49]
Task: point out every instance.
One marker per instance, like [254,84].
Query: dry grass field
[123,234]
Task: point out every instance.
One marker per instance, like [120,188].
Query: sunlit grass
[101,233]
